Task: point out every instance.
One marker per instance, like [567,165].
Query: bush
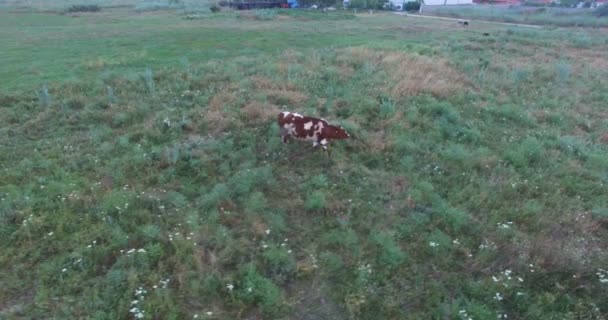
[215,8]
[412,6]
[84,8]
[602,11]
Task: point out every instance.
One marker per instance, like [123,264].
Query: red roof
[499,1]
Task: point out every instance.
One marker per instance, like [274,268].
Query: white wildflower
[230,286]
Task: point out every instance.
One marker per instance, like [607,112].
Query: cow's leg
[323,144]
[284,135]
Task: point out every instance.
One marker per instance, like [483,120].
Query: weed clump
[44,98]
[149,81]
[84,8]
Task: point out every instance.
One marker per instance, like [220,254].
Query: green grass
[142,170]
[545,16]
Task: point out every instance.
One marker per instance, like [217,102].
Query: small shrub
[412,6]
[315,201]
[279,261]
[602,11]
[256,202]
[44,98]
[583,41]
[149,80]
[387,108]
[562,71]
[84,8]
[111,95]
[390,254]
[215,8]
[256,290]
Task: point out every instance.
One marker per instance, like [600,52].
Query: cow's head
[336,132]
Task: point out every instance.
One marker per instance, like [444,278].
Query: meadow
[142,175]
[543,16]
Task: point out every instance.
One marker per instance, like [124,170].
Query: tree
[366,4]
[322,3]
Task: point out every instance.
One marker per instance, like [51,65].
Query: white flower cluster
[92,244]
[487,244]
[130,251]
[176,235]
[190,93]
[505,278]
[284,244]
[602,275]
[29,219]
[140,294]
[463,315]
[433,244]
[504,225]
[163,283]
[314,261]
[365,268]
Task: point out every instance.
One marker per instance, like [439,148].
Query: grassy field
[545,16]
[142,174]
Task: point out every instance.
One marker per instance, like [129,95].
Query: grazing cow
[310,129]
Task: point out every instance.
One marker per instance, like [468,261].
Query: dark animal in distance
[312,129]
[464,22]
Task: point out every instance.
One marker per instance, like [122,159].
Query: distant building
[446,2]
[500,1]
[399,3]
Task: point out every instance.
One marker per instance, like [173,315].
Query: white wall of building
[447,2]
[433,2]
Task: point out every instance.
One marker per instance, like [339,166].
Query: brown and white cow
[309,129]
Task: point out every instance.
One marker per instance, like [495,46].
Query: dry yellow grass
[409,74]
[214,115]
[283,93]
[416,74]
[259,112]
